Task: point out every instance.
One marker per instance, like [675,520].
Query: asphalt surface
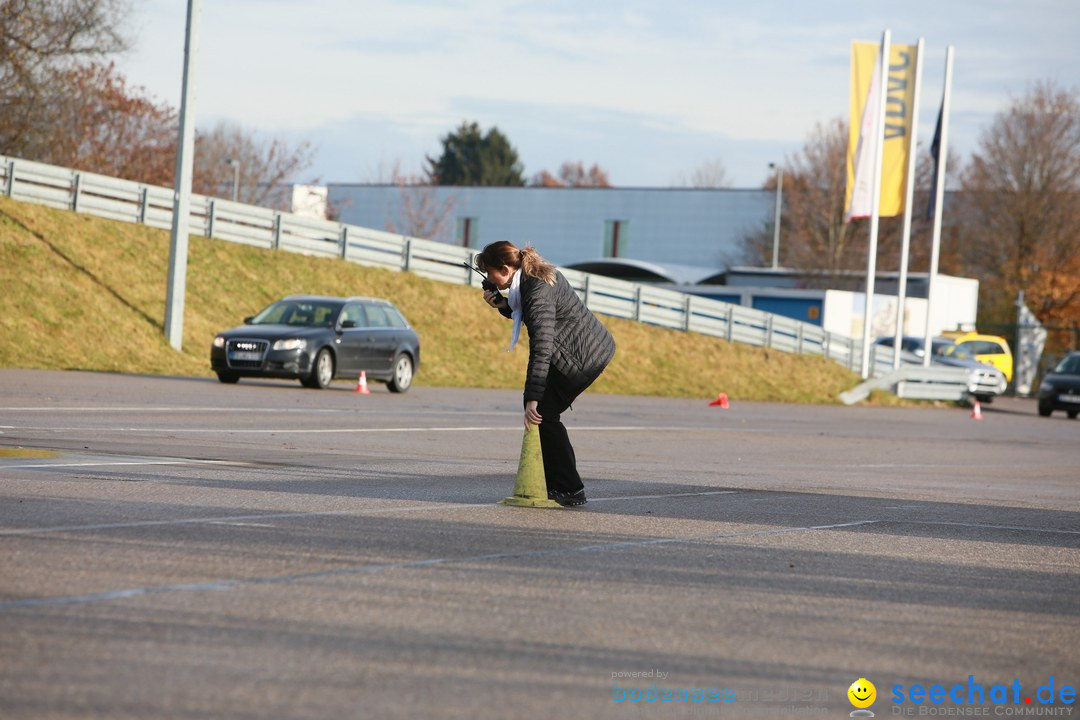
[177,548]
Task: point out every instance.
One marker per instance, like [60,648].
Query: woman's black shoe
[568,499]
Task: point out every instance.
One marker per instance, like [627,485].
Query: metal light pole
[776,216]
[178,248]
[235,177]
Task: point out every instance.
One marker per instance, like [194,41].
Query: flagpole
[905,247]
[939,202]
[875,201]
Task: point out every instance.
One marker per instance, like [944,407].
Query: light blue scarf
[515,308]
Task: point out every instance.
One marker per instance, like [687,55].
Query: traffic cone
[530,489]
[361,384]
[976,411]
[721,400]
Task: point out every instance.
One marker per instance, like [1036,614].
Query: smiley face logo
[862,693]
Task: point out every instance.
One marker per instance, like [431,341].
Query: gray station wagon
[315,339]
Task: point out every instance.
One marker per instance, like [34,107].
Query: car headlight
[219,342]
[290,344]
[1046,387]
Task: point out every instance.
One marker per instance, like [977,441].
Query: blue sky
[648,90]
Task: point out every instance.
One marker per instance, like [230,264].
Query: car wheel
[1045,409]
[403,374]
[228,378]
[1072,414]
[322,371]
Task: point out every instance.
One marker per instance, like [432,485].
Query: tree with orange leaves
[99,123]
[1022,208]
[573,174]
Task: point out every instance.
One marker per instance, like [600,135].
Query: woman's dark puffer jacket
[563,335]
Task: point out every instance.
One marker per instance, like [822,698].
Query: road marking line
[891,466]
[133,462]
[988,526]
[238,519]
[671,495]
[250,410]
[294,431]
[226,519]
[229,584]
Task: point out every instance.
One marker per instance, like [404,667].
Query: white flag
[862,188]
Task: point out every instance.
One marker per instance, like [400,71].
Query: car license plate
[239,355]
[1069,398]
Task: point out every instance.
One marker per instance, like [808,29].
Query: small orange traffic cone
[976,411]
[361,384]
[720,400]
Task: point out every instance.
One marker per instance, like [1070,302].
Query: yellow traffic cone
[530,490]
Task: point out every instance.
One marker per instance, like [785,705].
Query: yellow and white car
[989,349]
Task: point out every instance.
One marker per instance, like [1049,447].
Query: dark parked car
[985,382]
[1060,389]
[315,339]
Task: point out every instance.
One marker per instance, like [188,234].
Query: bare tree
[815,236]
[41,41]
[265,164]
[60,103]
[1022,207]
[813,233]
[423,214]
[709,174]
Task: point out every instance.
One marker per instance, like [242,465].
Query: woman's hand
[495,300]
[531,416]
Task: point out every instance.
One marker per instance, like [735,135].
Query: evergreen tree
[472,158]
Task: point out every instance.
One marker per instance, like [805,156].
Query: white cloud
[702,75]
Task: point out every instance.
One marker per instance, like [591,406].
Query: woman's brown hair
[504,252]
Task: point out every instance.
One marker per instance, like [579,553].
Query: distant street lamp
[776,217]
[235,178]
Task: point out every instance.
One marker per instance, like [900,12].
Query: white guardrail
[135,202]
[918,383]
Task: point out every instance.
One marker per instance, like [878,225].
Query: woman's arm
[538,308]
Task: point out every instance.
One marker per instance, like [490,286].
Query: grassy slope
[85,293]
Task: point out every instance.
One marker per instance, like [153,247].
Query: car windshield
[938,347]
[1069,366]
[956,351]
[301,313]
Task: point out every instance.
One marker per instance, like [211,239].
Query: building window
[616,238]
[467,235]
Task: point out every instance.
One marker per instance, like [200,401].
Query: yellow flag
[900,94]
